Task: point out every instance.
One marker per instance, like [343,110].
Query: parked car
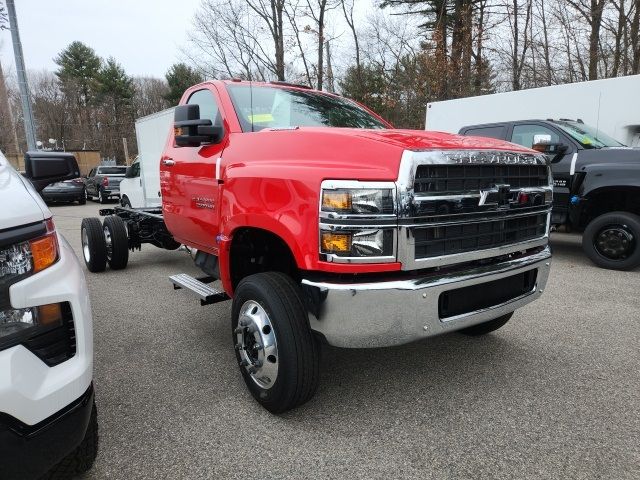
[596,185]
[324,223]
[48,418]
[65,191]
[103,182]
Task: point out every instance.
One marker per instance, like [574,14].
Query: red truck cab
[324,223]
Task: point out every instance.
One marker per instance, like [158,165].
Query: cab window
[208,106]
[135,170]
[529,135]
[498,132]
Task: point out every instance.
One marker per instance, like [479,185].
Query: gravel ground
[553,394]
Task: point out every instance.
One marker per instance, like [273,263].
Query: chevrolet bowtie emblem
[499,195]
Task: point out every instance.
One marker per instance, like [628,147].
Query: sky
[145,36]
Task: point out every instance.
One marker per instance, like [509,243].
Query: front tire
[487,327]
[82,458]
[278,355]
[124,202]
[83,198]
[117,242]
[101,198]
[94,248]
[612,241]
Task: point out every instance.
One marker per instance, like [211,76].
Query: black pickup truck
[596,184]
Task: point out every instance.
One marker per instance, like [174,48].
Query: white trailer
[611,105]
[141,186]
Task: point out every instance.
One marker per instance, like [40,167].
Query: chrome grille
[459,206]
[468,237]
[449,179]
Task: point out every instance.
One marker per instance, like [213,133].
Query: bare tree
[270,11]
[591,11]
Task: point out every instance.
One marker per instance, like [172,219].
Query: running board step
[207,294]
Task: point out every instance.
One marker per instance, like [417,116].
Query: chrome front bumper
[360,315]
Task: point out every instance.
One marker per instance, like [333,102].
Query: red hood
[423,140]
[340,153]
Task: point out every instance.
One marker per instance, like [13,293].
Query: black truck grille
[468,237]
[452,179]
[58,344]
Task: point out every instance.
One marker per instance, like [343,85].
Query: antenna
[251,100]
[250,82]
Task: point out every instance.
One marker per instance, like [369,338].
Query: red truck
[326,224]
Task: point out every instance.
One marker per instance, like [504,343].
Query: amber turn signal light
[336,242]
[336,201]
[49,314]
[44,252]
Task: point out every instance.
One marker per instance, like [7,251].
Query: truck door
[189,184]
[528,134]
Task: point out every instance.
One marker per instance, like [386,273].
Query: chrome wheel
[109,243]
[85,246]
[256,344]
[615,242]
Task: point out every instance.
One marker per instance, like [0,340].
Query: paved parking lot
[553,394]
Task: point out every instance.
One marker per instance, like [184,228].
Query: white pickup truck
[48,420]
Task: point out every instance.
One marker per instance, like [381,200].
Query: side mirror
[129,172]
[44,168]
[191,130]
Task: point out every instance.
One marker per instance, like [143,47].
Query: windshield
[112,170]
[273,107]
[588,136]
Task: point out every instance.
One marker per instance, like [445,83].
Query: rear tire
[83,198]
[612,241]
[82,458]
[276,299]
[101,198]
[487,327]
[94,247]
[116,241]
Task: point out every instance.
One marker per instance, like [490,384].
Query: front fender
[605,175]
[284,207]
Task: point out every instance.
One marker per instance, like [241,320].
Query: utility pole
[25,97]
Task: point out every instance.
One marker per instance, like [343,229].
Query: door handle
[168,162]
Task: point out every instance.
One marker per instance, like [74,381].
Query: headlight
[30,256]
[358,243]
[358,221]
[358,201]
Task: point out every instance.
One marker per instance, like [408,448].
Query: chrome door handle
[168,162]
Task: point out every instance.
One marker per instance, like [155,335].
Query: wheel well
[626,199]
[254,250]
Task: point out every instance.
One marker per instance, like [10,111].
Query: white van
[48,420]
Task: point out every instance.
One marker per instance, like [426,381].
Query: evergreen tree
[78,69]
[180,77]
[115,88]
